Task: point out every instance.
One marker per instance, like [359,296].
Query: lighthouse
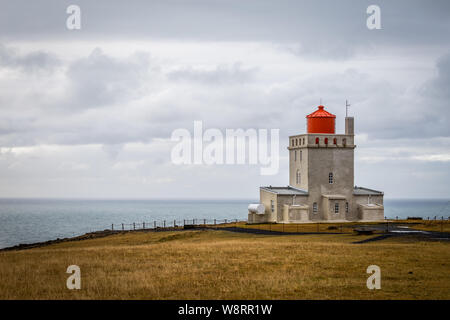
[321,179]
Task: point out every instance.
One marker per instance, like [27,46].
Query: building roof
[285,190]
[360,191]
[321,113]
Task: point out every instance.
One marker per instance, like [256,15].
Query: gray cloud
[222,74]
[100,80]
[439,86]
[325,28]
[34,61]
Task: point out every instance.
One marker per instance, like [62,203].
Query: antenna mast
[346,108]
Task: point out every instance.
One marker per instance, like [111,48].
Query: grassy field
[225,265]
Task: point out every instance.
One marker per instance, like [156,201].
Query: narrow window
[295,155]
[298,179]
[346,207]
[296,142]
[317,140]
[300,155]
[336,207]
[272,205]
[315,207]
[303,140]
[326,140]
[334,141]
[330,178]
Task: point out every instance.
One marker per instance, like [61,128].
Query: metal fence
[175,224]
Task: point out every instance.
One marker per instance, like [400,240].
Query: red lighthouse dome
[321,121]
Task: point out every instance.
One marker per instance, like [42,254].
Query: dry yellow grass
[226,265]
[431,225]
[345,227]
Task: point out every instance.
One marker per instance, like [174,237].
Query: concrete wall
[329,209]
[293,213]
[364,199]
[258,218]
[300,165]
[265,198]
[368,213]
[322,161]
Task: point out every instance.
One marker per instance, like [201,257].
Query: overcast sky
[89,113]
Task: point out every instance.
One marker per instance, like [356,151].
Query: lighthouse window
[317,140]
[336,207]
[272,205]
[346,207]
[330,177]
[298,176]
[315,207]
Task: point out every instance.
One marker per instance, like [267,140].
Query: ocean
[35,220]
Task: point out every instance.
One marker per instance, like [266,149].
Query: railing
[174,224]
